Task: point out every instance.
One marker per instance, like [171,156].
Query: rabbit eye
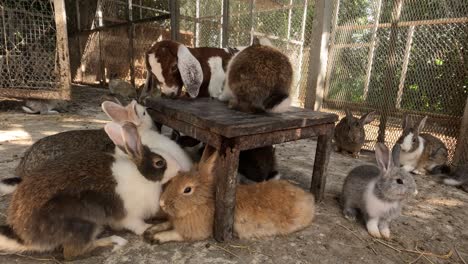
[414,140]
[159,163]
[399,181]
[174,68]
[187,190]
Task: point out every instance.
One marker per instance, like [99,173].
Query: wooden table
[229,131]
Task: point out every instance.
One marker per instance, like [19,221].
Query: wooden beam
[225,26]
[318,56]
[62,49]
[175,17]
[404,68]
[461,152]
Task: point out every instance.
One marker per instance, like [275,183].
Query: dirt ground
[432,228]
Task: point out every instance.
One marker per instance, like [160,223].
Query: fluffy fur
[421,152]
[45,107]
[350,134]
[259,78]
[171,65]
[457,176]
[262,209]
[67,203]
[377,192]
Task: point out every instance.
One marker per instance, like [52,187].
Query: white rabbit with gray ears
[377,192]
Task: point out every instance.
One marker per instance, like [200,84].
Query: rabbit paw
[118,242]
[385,233]
[150,237]
[418,172]
[355,155]
[373,228]
[350,214]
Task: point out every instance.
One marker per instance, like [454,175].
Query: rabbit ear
[407,122]
[190,71]
[132,141]
[422,123]
[115,111]
[132,115]
[207,162]
[367,118]
[383,157]
[396,155]
[114,131]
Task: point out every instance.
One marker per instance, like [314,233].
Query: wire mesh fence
[29,63]
[427,45]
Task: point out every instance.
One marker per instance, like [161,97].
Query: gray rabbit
[377,192]
[350,134]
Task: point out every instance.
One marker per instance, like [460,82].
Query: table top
[215,116]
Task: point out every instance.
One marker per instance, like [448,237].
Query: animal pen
[396,57]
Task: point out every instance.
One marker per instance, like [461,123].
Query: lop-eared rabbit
[420,152]
[173,65]
[377,192]
[67,203]
[53,147]
[259,78]
[263,209]
[350,134]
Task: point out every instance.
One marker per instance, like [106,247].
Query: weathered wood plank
[198,133]
[214,116]
[226,173]
[322,156]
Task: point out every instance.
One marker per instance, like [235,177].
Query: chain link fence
[29,58]
[416,67]
[287,24]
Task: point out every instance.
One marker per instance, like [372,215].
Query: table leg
[226,170]
[322,155]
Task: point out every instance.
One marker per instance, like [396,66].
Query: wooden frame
[244,132]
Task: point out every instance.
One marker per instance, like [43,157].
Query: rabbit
[457,176]
[263,209]
[67,203]
[45,107]
[377,192]
[259,78]
[255,165]
[52,147]
[420,152]
[350,134]
[121,87]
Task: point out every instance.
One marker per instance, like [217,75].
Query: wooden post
[62,48]
[389,78]
[461,152]
[225,26]
[409,42]
[226,175]
[175,15]
[322,156]
[252,28]
[318,54]
[301,51]
[370,55]
[131,34]
[197,23]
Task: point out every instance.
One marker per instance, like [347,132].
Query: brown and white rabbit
[263,209]
[420,152]
[377,192]
[259,78]
[53,147]
[350,134]
[67,203]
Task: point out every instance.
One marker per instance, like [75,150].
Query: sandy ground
[432,229]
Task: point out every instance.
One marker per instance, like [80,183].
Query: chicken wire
[430,47]
[28,53]
[284,23]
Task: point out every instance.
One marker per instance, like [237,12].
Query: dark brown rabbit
[67,203]
[260,79]
[350,134]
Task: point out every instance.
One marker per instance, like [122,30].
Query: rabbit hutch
[399,59]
